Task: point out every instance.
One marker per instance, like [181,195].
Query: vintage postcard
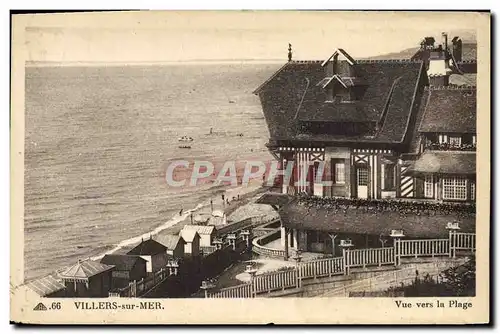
[250,167]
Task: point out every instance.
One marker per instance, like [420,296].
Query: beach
[98,141]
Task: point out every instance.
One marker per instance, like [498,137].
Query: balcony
[449,147]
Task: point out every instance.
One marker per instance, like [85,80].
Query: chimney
[439,69]
[456,48]
[445,41]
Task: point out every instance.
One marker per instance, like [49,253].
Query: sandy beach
[239,208]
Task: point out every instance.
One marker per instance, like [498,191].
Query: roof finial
[289,52]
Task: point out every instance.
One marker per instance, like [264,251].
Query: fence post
[450,242]
[346,263]
[298,257]
[252,272]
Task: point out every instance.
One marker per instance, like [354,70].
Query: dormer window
[340,81]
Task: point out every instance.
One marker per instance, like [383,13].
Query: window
[388,176]
[473,191]
[362,176]
[429,187]
[474,140]
[443,139]
[339,176]
[455,141]
[455,189]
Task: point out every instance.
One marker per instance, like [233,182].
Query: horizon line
[35,63]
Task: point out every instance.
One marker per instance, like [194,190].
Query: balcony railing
[449,147]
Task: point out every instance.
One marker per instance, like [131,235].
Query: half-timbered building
[373,129]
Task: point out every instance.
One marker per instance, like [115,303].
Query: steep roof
[122,262]
[170,241]
[201,229]
[362,221]
[189,235]
[444,162]
[148,247]
[292,96]
[85,270]
[450,109]
[47,285]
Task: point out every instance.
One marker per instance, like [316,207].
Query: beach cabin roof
[148,247]
[218,213]
[46,285]
[122,262]
[202,218]
[201,229]
[170,241]
[189,235]
[85,270]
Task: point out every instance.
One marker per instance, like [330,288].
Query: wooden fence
[416,248]
[367,257]
[140,288]
[239,291]
[357,258]
[463,241]
[279,280]
[322,267]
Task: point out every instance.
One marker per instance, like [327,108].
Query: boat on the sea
[184,146]
[185,138]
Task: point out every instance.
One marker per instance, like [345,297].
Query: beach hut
[207,233]
[202,219]
[174,243]
[153,252]
[127,268]
[87,279]
[218,218]
[192,239]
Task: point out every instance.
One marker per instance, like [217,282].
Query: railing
[449,147]
[370,256]
[208,249]
[292,278]
[323,267]
[243,224]
[464,241]
[279,280]
[262,231]
[267,251]
[239,291]
[137,289]
[234,227]
[426,247]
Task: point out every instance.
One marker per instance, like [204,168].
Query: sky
[188,36]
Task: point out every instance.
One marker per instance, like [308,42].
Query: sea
[98,140]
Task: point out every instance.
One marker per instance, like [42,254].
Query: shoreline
[247,196]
